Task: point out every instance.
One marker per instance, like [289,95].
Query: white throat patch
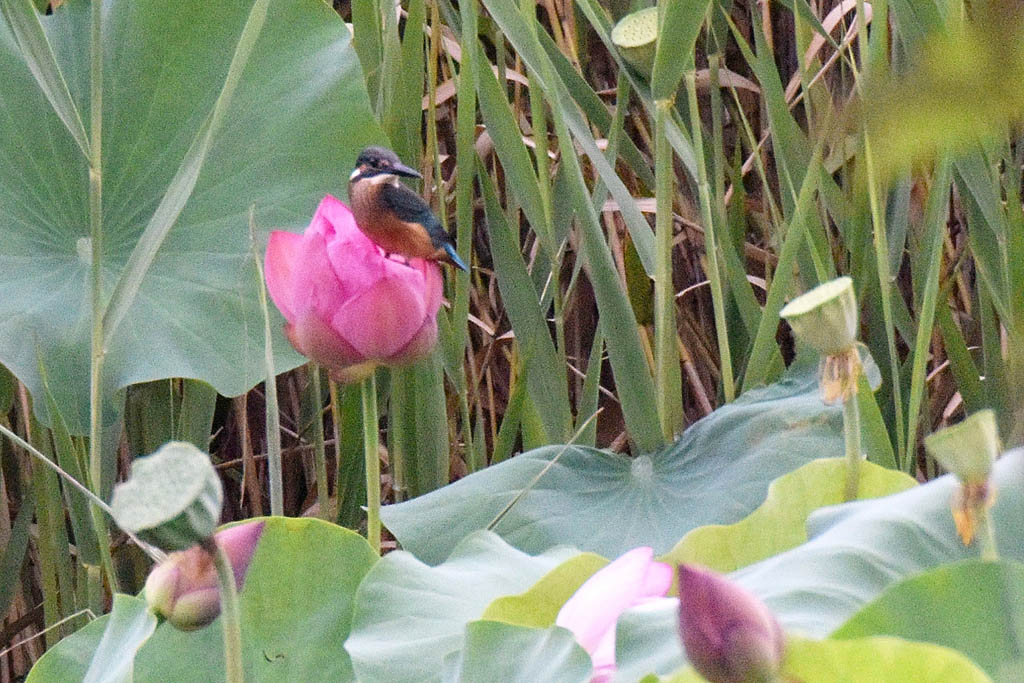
[382,178]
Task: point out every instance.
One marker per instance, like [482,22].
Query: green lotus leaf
[289,632]
[716,473]
[298,117]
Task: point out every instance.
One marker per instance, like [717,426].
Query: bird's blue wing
[410,207]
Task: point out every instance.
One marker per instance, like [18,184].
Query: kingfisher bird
[397,219]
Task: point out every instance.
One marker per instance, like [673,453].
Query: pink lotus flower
[183,588]
[592,612]
[347,306]
[730,636]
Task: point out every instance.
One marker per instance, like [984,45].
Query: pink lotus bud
[183,588]
[347,306]
[729,635]
[592,612]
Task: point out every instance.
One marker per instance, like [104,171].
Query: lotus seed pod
[172,498]
[636,36]
[968,448]
[825,318]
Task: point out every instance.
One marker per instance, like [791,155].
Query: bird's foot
[401,259]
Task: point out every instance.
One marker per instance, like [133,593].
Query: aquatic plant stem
[97,350]
[230,614]
[98,505]
[371,445]
[987,537]
[319,453]
[273,427]
[851,436]
[96,250]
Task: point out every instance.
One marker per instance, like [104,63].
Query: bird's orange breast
[392,234]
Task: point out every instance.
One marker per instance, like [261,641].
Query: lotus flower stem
[371,445]
[987,537]
[230,614]
[851,434]
[97,351]
[319,454]
[273,426]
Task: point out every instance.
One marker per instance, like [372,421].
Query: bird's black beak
[403,170]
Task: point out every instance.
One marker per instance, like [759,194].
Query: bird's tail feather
[453,256]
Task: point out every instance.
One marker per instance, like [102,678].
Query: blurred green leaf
[856,551]
[24,22]
[295,124]
[910,114]
[975,607]
[919,19]
[978,185]
[13,555]
[8,385]
[512,151]
[129,626]
[680,25]
[195,413]
[277,604]
[874,433]
[72,461]
[367,41]
[544,375]
[717,472]
[410,616]
[539,606]
[779,523]
[402,121]
[149,412]
[595,109]
[428,454]
[494,651]
[599,20]
[866,660]
[527,45]
[165,410]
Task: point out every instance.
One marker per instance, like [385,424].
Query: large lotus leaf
[108,645]
[716,473]
[817,586]
[867,660]
[780,521]
[538,607]
[409,617]
[293,128]
[130,625]
[495,651]
[975,607]
[290,632]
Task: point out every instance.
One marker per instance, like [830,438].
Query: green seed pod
[968,448]
[172,499]
[636,36]
[825,318]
